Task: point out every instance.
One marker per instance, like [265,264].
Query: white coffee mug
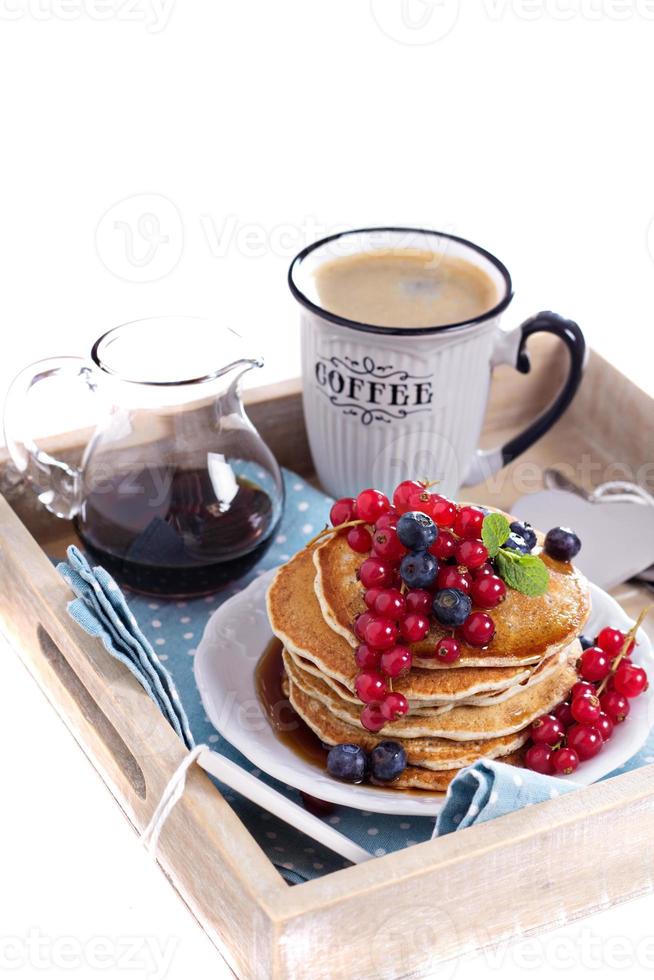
[387,404]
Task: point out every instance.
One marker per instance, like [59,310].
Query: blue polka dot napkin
[489,789]
[101,610]
[170,631]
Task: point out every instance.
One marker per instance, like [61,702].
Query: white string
[170,796]
[622,491]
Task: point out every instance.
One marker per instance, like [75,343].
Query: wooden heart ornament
[617,534]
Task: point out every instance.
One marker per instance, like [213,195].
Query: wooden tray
[400,914]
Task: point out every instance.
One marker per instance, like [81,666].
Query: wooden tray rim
[212,833]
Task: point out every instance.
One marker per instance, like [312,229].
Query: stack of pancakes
[482,705]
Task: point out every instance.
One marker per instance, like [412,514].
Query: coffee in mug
[404,288]
[400,334]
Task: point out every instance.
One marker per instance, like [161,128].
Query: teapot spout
[230,378]
[243,365]
[232,352]
[234,372]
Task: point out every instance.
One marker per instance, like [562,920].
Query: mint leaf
[524,573]
[494,532]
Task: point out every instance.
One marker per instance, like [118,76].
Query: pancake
[414,777]
[417,707]
[427,705]
[463,723]
[482,705]
[435,758]
[297,619]
[527,629]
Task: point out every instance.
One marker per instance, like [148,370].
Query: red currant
[486,569]
[396,662]
[381,633]
[564,761]
[444,546]
[418,601]
[615,705]
[386,543]
[370,686]
[611,641]
[403,492]
[630,680]
[594,664]
[367,658]
[370,595]
[478,629]
[421,501]
[388,518]
[451,577]
[487,591]
[564,715]
[582,688]
[393,706]
[414,627]
[372,718]
[586,709]
[390,603]
[585,740]
[359,539]
[547,730]
[371,504]
[468,522]
[605,726]
[443,511]
[343,510]
[473,554]
[376,573]
[539,758]
[448,650]
[360,624]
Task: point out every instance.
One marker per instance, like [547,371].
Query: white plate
[225,663]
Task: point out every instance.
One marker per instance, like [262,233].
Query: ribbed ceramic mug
[387,404]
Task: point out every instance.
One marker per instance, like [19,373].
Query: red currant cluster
[398,615]
[578,728]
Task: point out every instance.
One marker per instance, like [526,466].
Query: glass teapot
[176,493]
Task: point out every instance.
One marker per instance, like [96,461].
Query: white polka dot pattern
[177,628]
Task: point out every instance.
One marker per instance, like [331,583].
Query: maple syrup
[286,723]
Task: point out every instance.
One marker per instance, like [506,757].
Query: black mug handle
[570,333]
[489,461]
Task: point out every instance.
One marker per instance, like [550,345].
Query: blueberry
[526,532]
[387,762]
[586,642]
[515,542]
[451,607]
[416,531]
[418,570]
[562,543]
[347,762]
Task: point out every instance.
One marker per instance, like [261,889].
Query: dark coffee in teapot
[162,532]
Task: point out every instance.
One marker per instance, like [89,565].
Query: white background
[167,157]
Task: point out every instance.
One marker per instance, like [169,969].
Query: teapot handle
[57,483]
